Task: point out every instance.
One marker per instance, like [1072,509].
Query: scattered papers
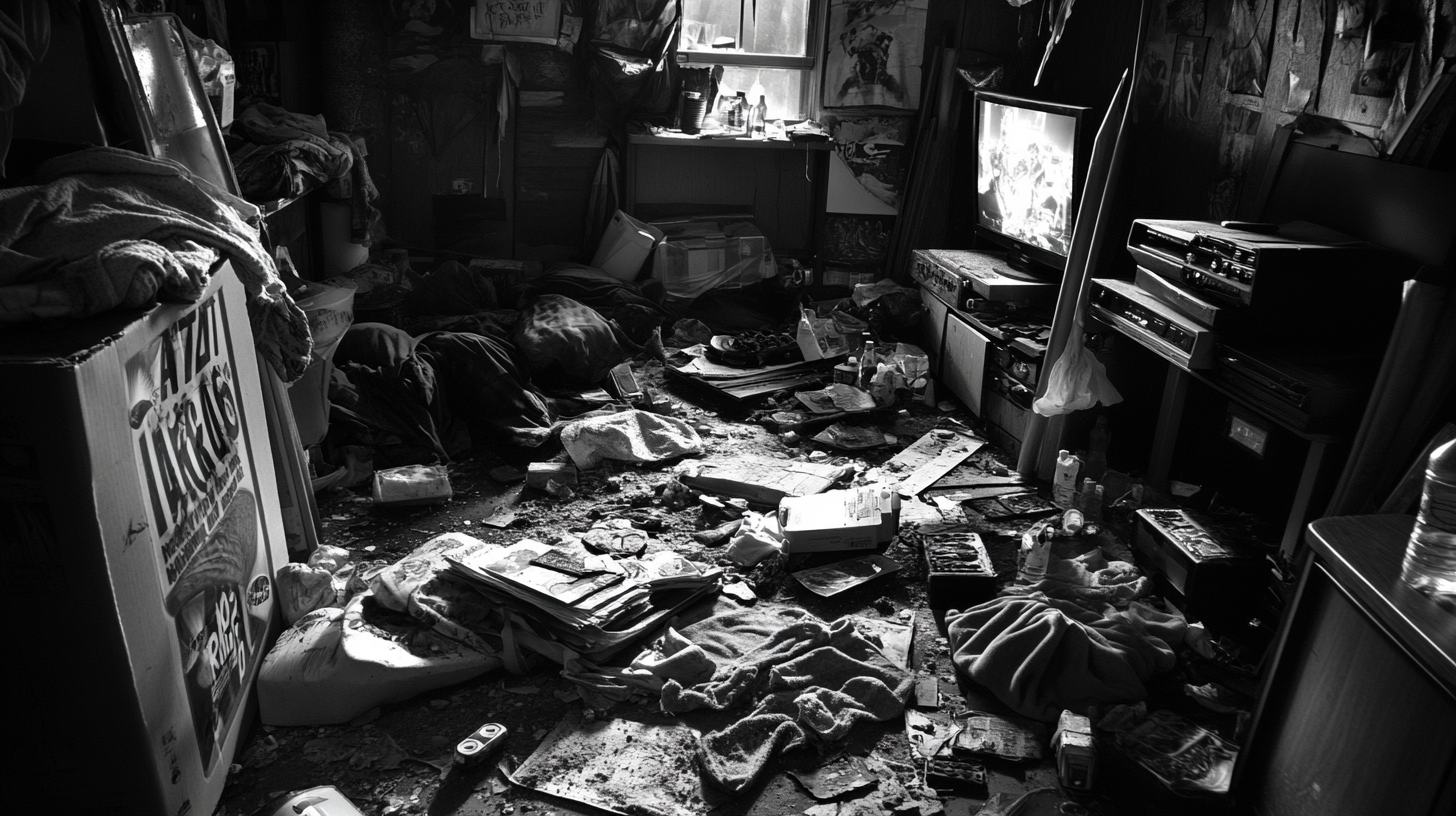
[586,602]
[1020,505]
[930,733]
[1002,737]
[837,398]
[852,437]
[843,775]
[701,366]
[621,766]
[835,578]
[764,480]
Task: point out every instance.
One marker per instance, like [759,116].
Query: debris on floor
[622,610]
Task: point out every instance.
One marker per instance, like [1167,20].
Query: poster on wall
[874,53]
[534,21]
[1152,80]
[1187,82]
[1238,129]
[1246,47]
[869,164]
[1187,16]
[191,443]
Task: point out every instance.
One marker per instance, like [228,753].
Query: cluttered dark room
[730,408]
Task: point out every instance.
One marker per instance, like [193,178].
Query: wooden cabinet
[781,184]
[1358,713]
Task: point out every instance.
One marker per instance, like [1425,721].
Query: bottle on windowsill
[758,119]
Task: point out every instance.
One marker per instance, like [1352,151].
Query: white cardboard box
[857,518]
[624,247]
[141,529]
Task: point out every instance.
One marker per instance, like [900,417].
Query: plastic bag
[1078,380]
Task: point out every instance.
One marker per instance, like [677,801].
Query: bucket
[330,312]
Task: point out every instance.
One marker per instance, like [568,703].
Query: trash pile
[668,563]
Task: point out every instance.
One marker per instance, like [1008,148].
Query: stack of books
[563,598]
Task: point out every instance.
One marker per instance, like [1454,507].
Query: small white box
[624,247]
[859,518]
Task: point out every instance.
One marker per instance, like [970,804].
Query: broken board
[622,766]
[764,480]
[931,457]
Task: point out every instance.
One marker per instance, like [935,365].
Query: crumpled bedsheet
[1041,655]
[104,228]
[805,678]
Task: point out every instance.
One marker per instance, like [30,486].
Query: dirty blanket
[104,228]
[419,400]
[1040,655]
[805,678]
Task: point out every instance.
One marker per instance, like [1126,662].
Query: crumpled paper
[629,436]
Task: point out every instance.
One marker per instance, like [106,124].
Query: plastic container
[1036,552]
[867,365]
[1430,555]
[1064,481]
[624,247]
[691,112]
[330,313]
[1089,501]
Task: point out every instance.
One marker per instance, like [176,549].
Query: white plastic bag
[1078,380]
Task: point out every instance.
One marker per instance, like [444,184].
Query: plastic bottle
[868,364]
[1097,442]
[740,111]
[1064,481]
[1036,551]
[1430,555]
[1089,501]
[758,119]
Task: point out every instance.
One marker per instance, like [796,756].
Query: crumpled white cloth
[628,436]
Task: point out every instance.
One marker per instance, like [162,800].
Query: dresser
[1358,711]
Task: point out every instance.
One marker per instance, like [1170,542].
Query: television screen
[1027,173]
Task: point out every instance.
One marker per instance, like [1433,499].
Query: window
[772,43]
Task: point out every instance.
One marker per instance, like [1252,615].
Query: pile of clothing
[285,155]
[466,364]
[103,229]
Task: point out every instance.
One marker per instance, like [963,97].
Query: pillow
[567,343]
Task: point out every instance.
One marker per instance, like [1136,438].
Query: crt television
[1031,159]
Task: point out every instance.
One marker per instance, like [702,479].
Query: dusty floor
[392,759]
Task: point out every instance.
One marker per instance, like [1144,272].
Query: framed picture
[874,53]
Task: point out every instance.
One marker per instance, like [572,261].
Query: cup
[691,111]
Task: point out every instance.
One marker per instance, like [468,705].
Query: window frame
[812,65]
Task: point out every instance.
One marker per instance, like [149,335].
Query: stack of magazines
[562,596]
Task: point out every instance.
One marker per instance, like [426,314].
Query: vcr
[1294,274]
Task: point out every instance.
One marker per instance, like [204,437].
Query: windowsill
[666,137]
